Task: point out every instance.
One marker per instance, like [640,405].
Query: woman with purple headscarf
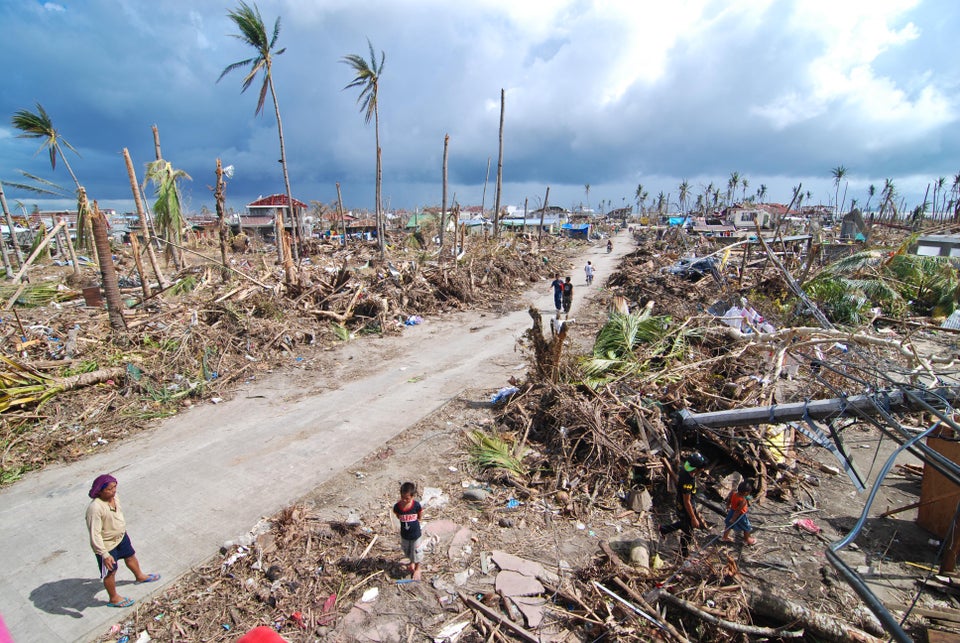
[109,539]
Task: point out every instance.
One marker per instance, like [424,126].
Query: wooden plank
[938,495]
[942,614]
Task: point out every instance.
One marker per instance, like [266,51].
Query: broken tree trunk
[13,236]
[730,626]
[34,255]
[142,215]
[443,198]
[108,271]
[546,354]
[138,260]
[219,197]
[817,625]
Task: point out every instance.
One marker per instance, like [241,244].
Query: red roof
[275,200]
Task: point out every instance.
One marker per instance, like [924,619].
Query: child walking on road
[738,504]
[409,512]
[588,270]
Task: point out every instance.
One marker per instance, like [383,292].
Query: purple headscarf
[100,483]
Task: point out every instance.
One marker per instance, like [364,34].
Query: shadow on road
[69,596]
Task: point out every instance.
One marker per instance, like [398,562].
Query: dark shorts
[121,551]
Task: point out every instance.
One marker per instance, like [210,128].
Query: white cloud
[851,38]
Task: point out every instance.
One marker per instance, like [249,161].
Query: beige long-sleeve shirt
[106,525]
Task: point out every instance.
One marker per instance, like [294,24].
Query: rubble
[561,541]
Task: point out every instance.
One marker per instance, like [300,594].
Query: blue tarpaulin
[576,230]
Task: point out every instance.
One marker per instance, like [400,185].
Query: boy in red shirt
[738,504]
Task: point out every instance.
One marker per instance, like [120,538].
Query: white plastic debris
[450,633]
[370,595]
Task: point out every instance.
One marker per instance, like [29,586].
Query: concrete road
[209,474]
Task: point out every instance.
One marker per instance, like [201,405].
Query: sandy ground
[208,475]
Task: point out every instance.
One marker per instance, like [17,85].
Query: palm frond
[857,262]
[493,452]
[367,77]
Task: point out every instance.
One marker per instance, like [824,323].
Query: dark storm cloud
[612,94]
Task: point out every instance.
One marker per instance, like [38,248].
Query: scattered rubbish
[413,320]
[475,494]
[370,595]
[450,633]
[433,497]
[512,503]
[807,525]
[503,394]
[694,269]
[328,615]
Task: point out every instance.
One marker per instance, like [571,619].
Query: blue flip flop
[126,602]
[151,578]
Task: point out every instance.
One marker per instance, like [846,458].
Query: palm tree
[661,203]
[955,189]
[732,186]
[168,215]
[39,125]
[938,186]
[762,193]
[744,183]
[254,33]
[368,80]
[637,195]
[708,195]
[684,195]
[870,192]
[888,194]
[586,189]
[838,173]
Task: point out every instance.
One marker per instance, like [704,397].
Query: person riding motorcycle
[609,245]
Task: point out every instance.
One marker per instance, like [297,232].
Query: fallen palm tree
[24,387]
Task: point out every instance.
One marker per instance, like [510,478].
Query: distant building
[261,215]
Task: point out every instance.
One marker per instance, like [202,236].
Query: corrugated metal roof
[275,200]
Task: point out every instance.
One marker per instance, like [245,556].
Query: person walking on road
[557,285]
[588,270]
[109,539]
[567,296]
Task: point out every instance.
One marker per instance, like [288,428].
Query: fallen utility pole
[882,403]
[868,404]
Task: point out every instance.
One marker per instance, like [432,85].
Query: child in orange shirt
[738,504]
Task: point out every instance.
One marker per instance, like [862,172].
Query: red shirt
[738,503]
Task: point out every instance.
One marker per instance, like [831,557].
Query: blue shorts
[741,525]
[121,551]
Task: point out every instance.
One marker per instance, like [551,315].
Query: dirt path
[209,474]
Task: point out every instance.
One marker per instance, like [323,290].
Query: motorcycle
[609,247]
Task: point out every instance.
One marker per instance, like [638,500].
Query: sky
[613,94]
